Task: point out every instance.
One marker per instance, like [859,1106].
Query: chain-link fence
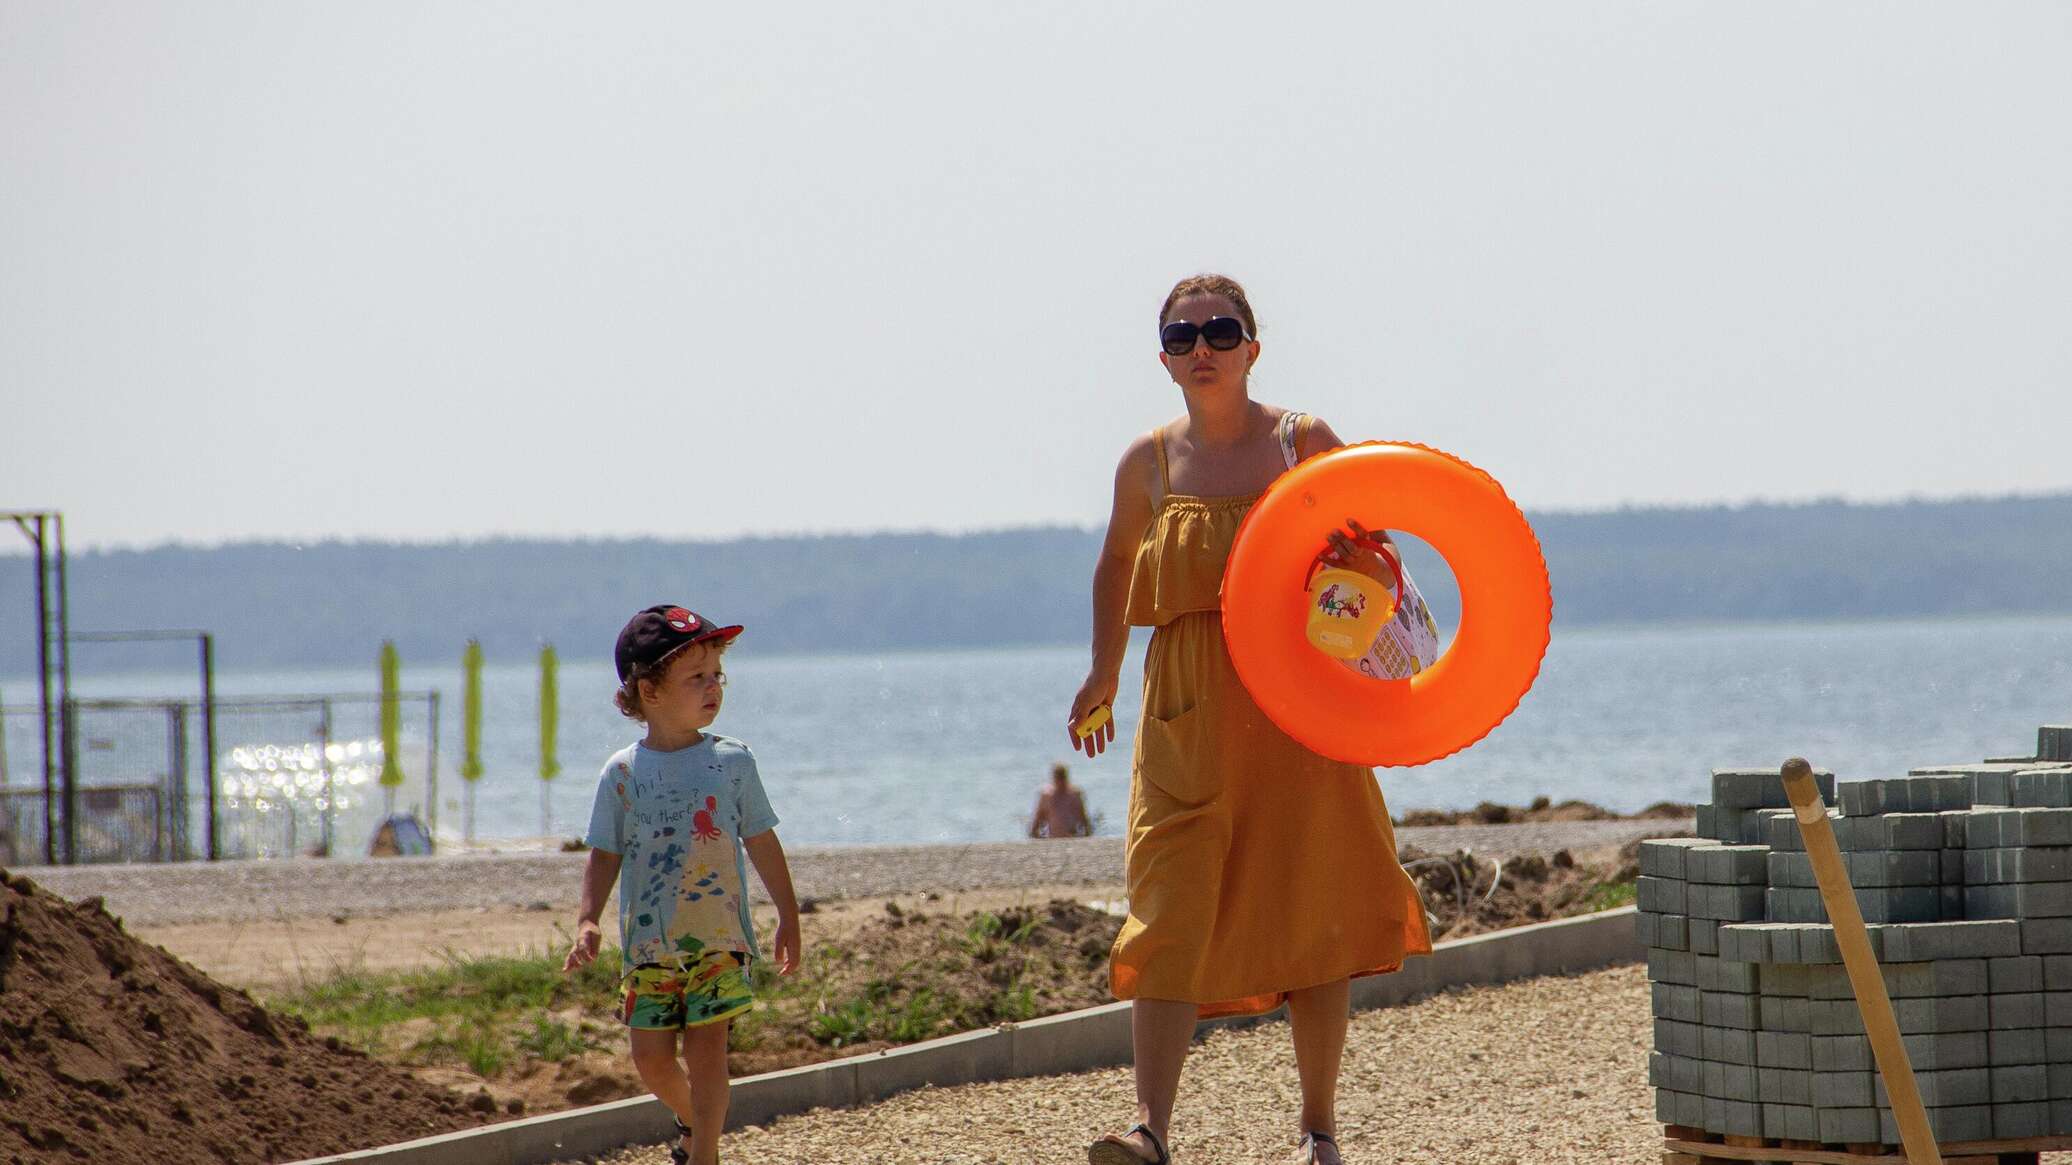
[302,775]
[126,804]
[21,787]
[294,776]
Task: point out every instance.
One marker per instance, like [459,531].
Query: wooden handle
[1864,978]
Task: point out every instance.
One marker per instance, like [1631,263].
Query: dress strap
[1165,480]
[1292,428]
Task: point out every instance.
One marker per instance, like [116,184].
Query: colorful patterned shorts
[711,987]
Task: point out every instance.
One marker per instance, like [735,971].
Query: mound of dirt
[1542,809]
[912,975]
[1458,890]
[113,1050]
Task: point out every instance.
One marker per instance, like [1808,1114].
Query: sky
[305,271]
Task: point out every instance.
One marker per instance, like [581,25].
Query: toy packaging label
[1346,611]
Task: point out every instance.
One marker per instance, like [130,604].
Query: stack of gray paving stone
[2054,742]
[1964,875]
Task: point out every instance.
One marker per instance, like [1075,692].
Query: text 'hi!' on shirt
[677,820]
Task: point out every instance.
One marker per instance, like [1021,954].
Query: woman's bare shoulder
[1139,464]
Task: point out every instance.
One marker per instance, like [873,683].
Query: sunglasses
[1223,333]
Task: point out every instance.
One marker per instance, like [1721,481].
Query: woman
[1259,872]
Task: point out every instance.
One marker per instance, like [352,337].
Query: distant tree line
[274,604]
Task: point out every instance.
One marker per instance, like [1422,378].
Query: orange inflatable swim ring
[1507,605]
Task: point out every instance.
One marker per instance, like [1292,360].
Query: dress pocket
[1173,758]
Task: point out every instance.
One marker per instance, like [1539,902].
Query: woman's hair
[627,698]
[1207,284]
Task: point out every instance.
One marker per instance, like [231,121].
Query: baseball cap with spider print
[657,633]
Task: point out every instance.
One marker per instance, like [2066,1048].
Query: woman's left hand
[1347,553]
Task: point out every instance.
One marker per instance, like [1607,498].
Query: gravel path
[145,895]
[1545,1071]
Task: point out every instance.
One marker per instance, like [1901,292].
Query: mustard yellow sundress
[1255,866]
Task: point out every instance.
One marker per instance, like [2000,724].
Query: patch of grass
[1609,896]
[839,1026]
[551,1040]
[913,978]
[881,1012]
[988,932]
[982,937]
[921,1017]
[476,1044]
[1016,1004]
[466,1002]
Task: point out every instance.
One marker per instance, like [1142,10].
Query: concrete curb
[1097,1037]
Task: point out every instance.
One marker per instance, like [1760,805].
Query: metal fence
[293,776]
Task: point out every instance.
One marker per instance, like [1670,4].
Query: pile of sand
[113,1050]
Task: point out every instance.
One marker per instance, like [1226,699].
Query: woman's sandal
[678,1155]
[1111,1150]
[1310,1141]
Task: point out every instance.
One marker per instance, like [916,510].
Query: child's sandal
[1112,1151]
[678,1155]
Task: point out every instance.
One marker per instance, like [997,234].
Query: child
[672,817]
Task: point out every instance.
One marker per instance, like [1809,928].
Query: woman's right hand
[1098,690]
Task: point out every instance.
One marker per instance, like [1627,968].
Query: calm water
[949,746]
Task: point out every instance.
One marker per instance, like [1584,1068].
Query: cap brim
[709,635]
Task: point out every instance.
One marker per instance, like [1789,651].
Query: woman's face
[1205,367]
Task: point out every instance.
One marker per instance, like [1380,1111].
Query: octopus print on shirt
[677,819]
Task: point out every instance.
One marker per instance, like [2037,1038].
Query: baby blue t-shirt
[677,819]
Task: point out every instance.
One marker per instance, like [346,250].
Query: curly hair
[627,697]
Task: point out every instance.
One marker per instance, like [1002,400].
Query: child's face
[689,693]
